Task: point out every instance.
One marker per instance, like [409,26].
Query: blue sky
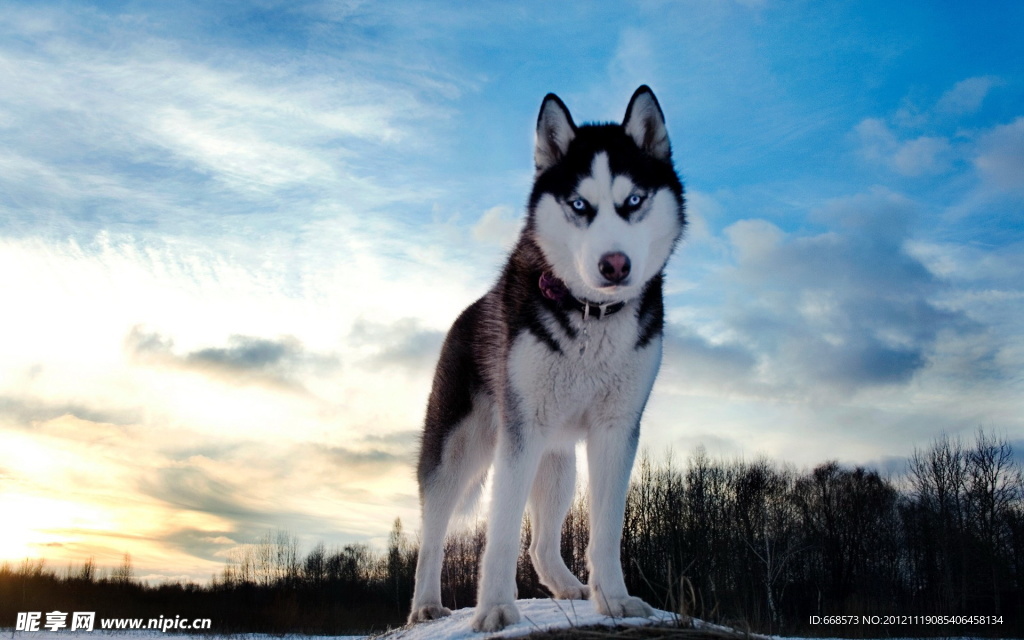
[235,234]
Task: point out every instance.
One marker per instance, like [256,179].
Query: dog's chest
[600,367]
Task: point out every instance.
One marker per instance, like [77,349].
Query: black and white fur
[564,348]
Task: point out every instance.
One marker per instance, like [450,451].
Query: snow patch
[537,615]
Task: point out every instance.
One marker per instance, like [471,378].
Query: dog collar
[554,289]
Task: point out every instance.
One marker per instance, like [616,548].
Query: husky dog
[564,348]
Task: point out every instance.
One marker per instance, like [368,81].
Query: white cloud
[1000,158]
[858,339]
[634,62]
[927,155]
[966,96]
[837,312]
[700,208]
[498,225]
[754,240]
[924,155]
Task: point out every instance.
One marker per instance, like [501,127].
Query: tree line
[265,587]
[758,543]
[749,543]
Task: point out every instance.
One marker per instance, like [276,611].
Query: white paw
[626,607]
[494,617]
[579,592]
[428,612]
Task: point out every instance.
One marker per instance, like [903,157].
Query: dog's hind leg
[550,499]
[468,452]
[438,505]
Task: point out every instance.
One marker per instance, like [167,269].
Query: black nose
[614,267]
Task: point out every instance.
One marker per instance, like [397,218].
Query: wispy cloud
[146,130]
[404,344]
[280,362]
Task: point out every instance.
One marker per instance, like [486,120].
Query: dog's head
[607,206]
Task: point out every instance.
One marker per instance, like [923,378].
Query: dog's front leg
[610,452]
[518,455]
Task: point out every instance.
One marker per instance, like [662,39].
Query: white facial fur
[574,249]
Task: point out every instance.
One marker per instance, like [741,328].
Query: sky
[233,236]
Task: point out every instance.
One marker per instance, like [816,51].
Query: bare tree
[124,574]
[939,480]
[768,527]
[993,486]
[314,567]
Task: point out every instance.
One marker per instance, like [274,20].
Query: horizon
[464,525]
[240,233]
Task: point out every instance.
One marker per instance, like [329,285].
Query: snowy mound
[538,615]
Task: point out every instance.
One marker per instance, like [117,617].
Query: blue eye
[579,205]
[634,200]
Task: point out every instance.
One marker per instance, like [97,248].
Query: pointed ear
[645,123]
[555,130]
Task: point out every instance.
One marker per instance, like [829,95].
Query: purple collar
[554,289]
